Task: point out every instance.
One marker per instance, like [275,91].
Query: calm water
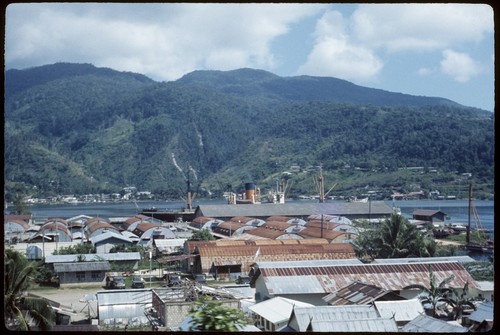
[456,210]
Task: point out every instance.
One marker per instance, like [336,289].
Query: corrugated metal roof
[81,266]
[355,293]
[401,310]
[483,312]
[108,235]
[312,263]
[322,233]
[427,324]
[427,212]
[118,256]
[378,325]
[277,309]
[272,234]
[342,208]
[391,277]
[289,249]
[302,316]
[459,259]
[234,242]
[115,304]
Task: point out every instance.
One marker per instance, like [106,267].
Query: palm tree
[435,293]
[399,238]
[19,309]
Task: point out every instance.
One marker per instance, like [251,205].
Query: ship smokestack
[250,192]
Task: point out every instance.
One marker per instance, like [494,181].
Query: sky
[440,50]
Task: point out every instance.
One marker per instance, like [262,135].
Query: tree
[435,293]
[20,206]
[211,315]
[20,310]
[460,301]
[202,235]
[395,238]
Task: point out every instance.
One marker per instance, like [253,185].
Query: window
[80,276]
[95,275]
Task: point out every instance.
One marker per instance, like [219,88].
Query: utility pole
[150,268]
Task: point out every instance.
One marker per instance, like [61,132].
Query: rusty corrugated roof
[318,232]
[319,224]
[355,293]
[250,250]
[270,233]
[391,277]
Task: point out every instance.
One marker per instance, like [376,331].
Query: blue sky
[443,50]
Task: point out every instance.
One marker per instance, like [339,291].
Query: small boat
[457,227]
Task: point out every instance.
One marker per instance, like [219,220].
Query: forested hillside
[77,129]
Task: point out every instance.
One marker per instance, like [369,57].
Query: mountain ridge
[110,129]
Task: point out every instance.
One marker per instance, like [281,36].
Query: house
[53,230]
[403,311]
[97,226]
[108,240]
[480,320]
[233,258]
[271,233]
[148,232]
[121,259]
[118,308]
[484,291]
[203,222]
[230,228]
[274,314]
[427,324]
[81,273]
[15,230]
[330,235]
[171,305]
[429,215]
[309,281]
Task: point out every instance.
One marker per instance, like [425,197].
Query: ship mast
[321,185]
[467,237]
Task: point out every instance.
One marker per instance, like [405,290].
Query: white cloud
[460,66]
[334,55]
[356,47]
[163,41]
[420,27]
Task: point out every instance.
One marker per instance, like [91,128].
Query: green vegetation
[211,315]
[436,292]
[77,129]
[21,310]
[202,235]
[394,238]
